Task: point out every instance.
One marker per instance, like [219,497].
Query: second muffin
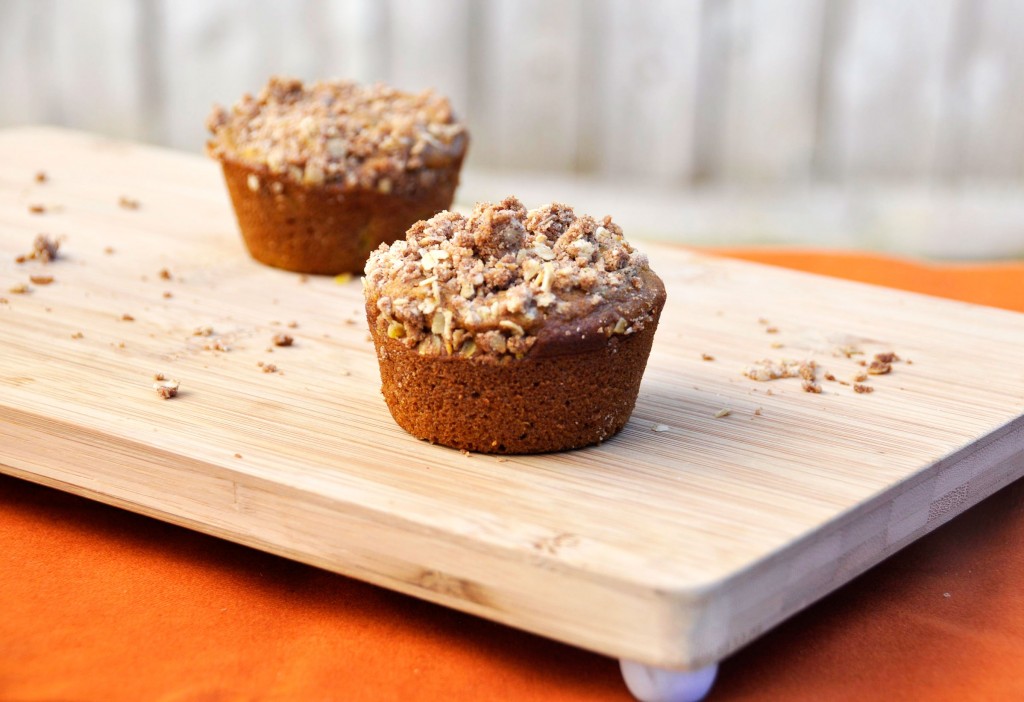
[512,331]
[321,174]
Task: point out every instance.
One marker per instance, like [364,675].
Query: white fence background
[885,123]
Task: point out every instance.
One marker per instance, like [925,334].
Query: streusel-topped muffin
[512,331]
[320,174]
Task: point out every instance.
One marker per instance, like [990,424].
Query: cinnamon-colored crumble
[41,177]
[127,317]
[128,203]
[165,387]
[706,357]
[43,249]
[482,285]
[372,137]
[37,209]
[863,388]
[282,340]
[19,289]
[41,279]
[164,274]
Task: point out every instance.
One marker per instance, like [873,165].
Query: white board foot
[659,685]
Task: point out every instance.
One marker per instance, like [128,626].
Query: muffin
[511,331]
[320,174]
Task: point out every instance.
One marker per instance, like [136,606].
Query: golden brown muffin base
[529,405]
[326,229]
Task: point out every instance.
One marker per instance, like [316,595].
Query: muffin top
[339,132]
[505,282]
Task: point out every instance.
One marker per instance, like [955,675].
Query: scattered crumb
[4,301]
[860,377]
[722,413]
[829,376]
[283,340]
[293,324]
[127,317]
[128,203]
[269,368]
[37,209]
[303,278]
[19,289]
[346,373]
[879,368]
[164,274]
[762,320]
[238,455]
[769,392]
[342,278]
[216,345]
[660,427]
[165,387]
[206,330]
[350,322]
[811,386]
[78,335]
[706,357]
[120,344]
[168,295]
[43,249]
[41,177]
[108,250]
[259,364]
[847,351]
[777,345]
[159,376]
[41,279]
[863,388]
[887,357]
[843,382]
[909,362]
[862,362]
[270,349]
[757,412]
[466,453]
[772,330]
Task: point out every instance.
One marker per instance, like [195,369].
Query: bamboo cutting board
[725,505]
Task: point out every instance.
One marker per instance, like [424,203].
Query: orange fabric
[100,604]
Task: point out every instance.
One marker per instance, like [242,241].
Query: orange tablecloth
[100,604]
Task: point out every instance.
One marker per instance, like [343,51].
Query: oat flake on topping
[484,284]
[340,132]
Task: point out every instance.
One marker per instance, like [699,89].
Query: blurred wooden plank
[986,103]
[649,57]
[770,113]
[68,62]
[884,84]
[527,54]
[980,222]
[430,48]
[214,52]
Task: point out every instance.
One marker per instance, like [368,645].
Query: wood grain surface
[673,544]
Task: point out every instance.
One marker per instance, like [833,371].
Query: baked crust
[535,404]
[326,229]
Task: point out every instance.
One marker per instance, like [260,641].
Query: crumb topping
[44,249]
[340,132]
[487,283]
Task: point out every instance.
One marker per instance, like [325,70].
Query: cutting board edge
[635,619]
[901,515]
